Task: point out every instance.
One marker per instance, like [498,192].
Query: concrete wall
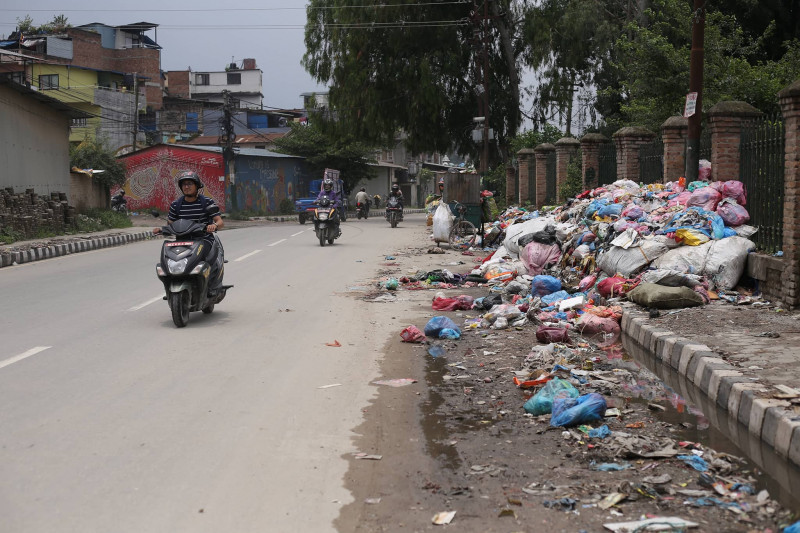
[263,182]
[85,192]
[34,150]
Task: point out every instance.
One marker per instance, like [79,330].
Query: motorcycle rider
[194,206]
[362,197]
[397,193]
[377,200]
[327,190]
[118,199]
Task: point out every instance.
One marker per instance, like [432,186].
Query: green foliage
[533,138]
[9,235]
[286,207]
[95,154]
[573,185]
[58,24]
[495,181]
[322,150]
[102,219]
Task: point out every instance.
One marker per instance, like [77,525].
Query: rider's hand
[156,231]
[208,228]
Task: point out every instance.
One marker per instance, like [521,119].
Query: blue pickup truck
[303,205]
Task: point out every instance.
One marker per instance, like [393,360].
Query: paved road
[114,420]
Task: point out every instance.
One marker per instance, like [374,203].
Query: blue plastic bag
[450,333]
[610,210]
[600,433]
[594,205]
[544,285]
[551,299]
[542,402]
[436,324]
[794,528]
[698,463]
[575,411]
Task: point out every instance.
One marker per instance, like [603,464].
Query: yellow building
[104,95]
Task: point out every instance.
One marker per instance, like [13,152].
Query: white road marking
[298,233]
[245,256]
[20,357]
[276,242]
[148,302]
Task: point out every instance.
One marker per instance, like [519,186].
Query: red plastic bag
[412,334]
[587,283]
[616,286]
[704,197]
[732,213]
[548,334]
[459,303]
[736,190]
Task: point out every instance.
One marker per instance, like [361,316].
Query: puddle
[434,426]
[711,426]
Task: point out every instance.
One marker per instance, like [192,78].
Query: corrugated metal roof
[257,152]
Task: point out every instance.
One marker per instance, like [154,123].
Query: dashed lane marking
[245,256]
[276,242]
[20,357]
[148,302]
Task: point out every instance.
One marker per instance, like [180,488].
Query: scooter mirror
[155,213]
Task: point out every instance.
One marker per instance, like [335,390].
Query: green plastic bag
[542,402]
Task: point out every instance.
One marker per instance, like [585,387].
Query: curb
[58,250]
[744,400]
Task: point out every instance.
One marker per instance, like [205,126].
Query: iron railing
[761,163]
[704,148]
[550,193]
[607,173]
[651,162]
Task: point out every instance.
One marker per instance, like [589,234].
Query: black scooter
[190,270]
[119,203]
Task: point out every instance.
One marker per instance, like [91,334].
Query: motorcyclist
[194,206]
[395,192]
[362,197]
[336,201]
[118,199]
[377,199]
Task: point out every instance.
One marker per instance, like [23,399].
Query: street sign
[691,105]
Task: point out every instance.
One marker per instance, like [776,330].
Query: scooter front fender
[178,286]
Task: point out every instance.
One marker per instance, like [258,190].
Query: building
[34,140]
[262,179]
[243,85]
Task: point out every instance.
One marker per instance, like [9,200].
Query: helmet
[395,187]
[190,175]
[327,184]
[363,189]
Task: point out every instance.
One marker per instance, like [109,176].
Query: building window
[201,79]
[191,122]
[79,122]
[234,78]
[48,81]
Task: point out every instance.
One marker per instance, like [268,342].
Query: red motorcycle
[362,210]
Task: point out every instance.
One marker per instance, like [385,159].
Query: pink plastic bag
[605,330]
[704,197]
[548,334]
[736,190]
[412,334]
[681,199]
[616,286]
[536,256]
[587,282]
[459,303]
[732,213]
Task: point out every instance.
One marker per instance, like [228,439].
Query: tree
[95,154]
[416,68]
[322,151]
[58,24]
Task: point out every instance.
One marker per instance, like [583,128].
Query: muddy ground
[459,440]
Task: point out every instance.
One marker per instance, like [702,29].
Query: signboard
[691,105]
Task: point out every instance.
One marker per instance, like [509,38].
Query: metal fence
[704,149]
[550,193]
[761,156]
[651,162]
[607,173]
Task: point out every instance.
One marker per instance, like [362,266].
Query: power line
[167,10]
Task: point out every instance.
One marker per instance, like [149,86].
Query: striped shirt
[182,209]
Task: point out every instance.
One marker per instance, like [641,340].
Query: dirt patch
[459,440]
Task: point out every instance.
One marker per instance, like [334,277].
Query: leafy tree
[58,24]
[533,138]
[95,154]
[25,25]
[322,150]
[416,68]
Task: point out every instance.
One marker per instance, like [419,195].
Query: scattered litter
[698,463]
[401,382]
[610,467]
[443,518]
[372,501]
[367,456]
[329,386]
[612,499]
[659,523]
[335,344]
[564,504]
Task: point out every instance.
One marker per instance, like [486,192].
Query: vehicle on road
[304,207]
[362,210]
[326,221]
[190,269]
[119,203]
[394,212]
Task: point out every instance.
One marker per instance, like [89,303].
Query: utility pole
[226,139]
[485,157]
[695,86]
[135,109]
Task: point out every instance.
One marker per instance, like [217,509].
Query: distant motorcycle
[393,211]
[362,210]
[326,221]
[119,203]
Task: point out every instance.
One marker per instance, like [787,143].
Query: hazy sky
[201,34]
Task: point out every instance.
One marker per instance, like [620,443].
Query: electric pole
[226,139]
[135,109]
[485,157]
[695,86]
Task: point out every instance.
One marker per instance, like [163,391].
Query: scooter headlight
[323,216]
[177,267]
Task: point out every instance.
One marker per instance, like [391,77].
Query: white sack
[688,259]
[722,261]
[515,231]
[442,222]
[633,260]
[671,278]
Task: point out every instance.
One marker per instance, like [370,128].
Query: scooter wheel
[179,305]
[207,310]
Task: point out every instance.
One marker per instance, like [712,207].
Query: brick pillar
[790,106]
[725,120]
[511,185]
[673,133]
[590,158]
[566,147]
[526,163]
[540,153]
[628,141]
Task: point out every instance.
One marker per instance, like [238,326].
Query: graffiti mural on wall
[263,182]
[151,176]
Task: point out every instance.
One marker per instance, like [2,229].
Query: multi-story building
[243,84]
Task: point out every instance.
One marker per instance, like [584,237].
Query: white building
[243,84]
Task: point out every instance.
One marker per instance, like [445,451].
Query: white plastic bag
[442,222]
[633,260]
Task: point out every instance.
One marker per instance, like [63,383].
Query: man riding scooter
[398,194]
[194,206]
[336,201]
[362,202]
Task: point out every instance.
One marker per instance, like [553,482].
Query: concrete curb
[748,402]
[58,250]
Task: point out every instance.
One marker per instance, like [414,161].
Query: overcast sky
[201,34]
